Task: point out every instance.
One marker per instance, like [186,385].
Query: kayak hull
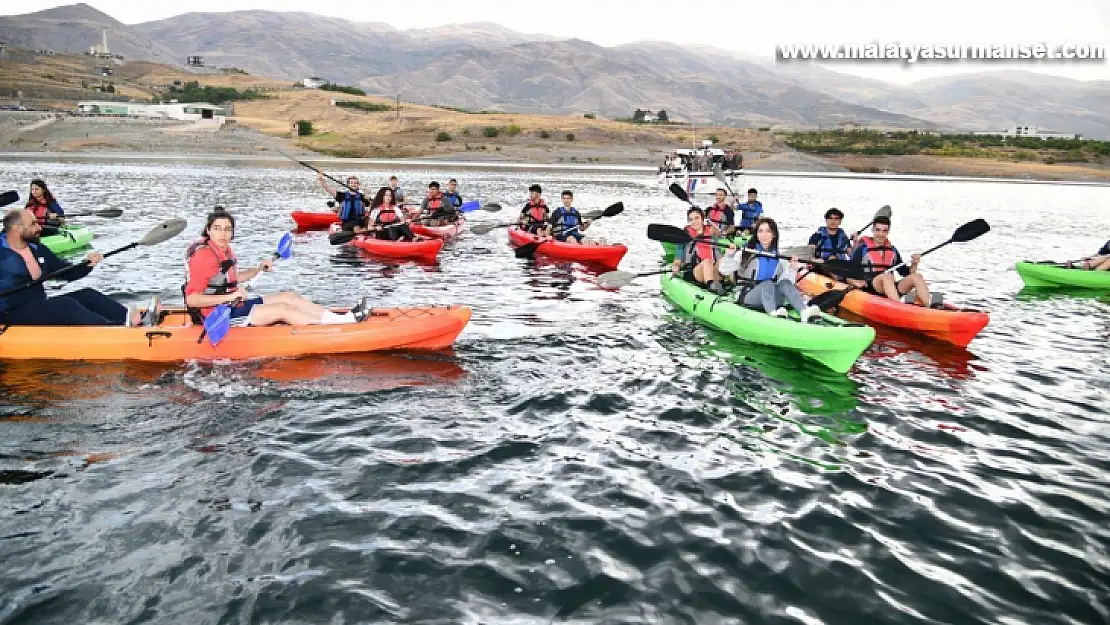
[175,339]
[1044,275]
[951,324]
[832,342]
[439,232]
[314,220]
[68,240]
[606,255]
[426,250]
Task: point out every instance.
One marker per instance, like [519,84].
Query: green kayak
[668,248]
[68,239]
[830,341]
[1049,275]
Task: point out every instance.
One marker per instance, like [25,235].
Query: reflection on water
[582,455]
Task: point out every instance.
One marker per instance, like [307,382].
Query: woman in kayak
[699,257]
[877,254]
[567,223]
[44,207]
[768,282]
[1099,262]
[388,221]
[213,279]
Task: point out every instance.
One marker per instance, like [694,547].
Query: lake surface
[582,455]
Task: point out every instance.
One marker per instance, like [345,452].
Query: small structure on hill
[313,82]
[194,61]
[189,111]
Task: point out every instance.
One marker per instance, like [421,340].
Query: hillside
[74,28]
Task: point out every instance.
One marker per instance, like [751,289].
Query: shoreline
[419,163]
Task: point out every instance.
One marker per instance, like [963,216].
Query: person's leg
[101,304]
[884,285]
[916,282]
[56,311]
[296,302]
[406,233]
[761,297]
[1103,266]
[786,291]
[269,314]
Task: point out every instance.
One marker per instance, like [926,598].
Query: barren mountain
[74,28]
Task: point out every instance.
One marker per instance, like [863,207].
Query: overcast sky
[752,28]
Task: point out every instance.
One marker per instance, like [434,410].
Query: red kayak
[439,232]
[607,255]
[314,221]
[951,324]
[425,250]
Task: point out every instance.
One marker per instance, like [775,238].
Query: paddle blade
[528,250]
[217,324]
[108,212]
[285,246]
[597,214]
[828,300]
[845,269]
[971,230]
[885,211]
[472,205]
[341,237]
[484,228]
[492,207]
[613,210]
[668,234]
[163,232]
[719,174]
[615,279]
[9,197]
[803,252]
[679,192]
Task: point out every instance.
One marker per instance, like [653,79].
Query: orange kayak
[175,338]
[607,255]
[951,324]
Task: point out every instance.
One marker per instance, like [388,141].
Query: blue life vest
[767,266]
[453,198]
[353,207]
[830,247]
[749,212]
[568,219]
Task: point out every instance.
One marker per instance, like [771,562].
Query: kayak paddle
[967,232]
[719,174]
[617,279]
[681,194]
[218,322]
[528,250]
[162,232]
[343,184]
[678,236]
[108,212]
[8,197]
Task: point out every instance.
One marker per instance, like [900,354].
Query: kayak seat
[194,313]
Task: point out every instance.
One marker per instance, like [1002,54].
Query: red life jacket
[879,257]
[387,214]
[39,208]
[435,204]
[225,281]
[716,214]
[704,249]
[537,212]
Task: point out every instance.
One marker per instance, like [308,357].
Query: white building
[1029,131]
[191,111]
[313,82]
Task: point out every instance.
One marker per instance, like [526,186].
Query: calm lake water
[582,455]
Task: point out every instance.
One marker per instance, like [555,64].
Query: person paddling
[721,216]
[535,215]
[876,254]
[699,257]
[452,194]
[1099,262]
[767,283]
[436,209]
[750,211]
[23,260]
[830,240]
[351,204]
[567,223]
[213,278]
[388,221]
[45,208]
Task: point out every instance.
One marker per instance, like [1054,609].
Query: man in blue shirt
[749,211]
